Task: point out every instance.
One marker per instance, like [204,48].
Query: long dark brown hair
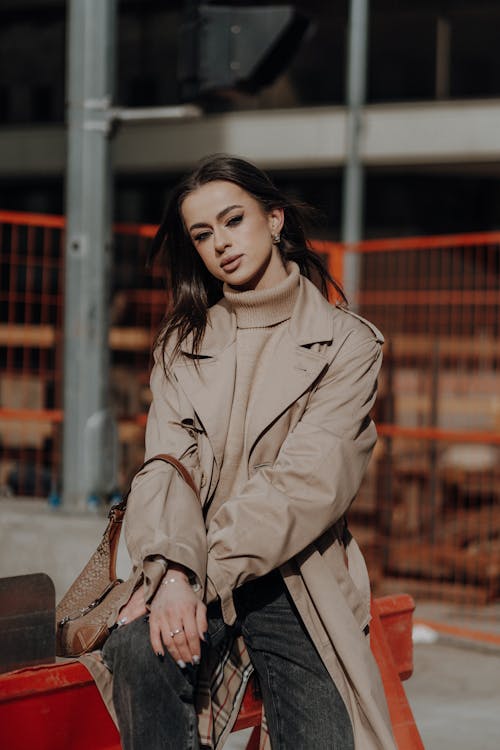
[193,289]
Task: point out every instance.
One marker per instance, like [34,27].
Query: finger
[192,637]
[188,641]
[169,638]
[139,610]
[180,641]
[201,620]
[132,612]
[155,636]
[164,636]
[134,608]
[124,616]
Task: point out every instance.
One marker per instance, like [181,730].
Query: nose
[221,240]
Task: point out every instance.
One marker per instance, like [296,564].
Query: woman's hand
[177,619]
[134,608]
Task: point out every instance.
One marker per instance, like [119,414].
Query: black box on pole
[223,47]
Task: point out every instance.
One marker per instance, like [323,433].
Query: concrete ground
[455,697]
[455,688]
[454,691]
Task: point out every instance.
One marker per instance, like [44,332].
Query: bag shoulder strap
[111,536]
[117,511]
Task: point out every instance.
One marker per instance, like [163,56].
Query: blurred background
[424,145]
[431,148]
[385,115]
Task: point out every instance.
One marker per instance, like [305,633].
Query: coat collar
[311,322]
[294,367]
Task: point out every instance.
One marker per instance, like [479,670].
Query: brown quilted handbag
[83,615]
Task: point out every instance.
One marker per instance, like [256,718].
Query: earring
[276,238]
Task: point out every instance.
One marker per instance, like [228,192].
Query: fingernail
[181,664]
[196,659]
[159,655]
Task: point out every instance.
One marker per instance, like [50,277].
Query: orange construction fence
[428,513]
[429,509]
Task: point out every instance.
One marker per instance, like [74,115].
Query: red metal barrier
[59,707]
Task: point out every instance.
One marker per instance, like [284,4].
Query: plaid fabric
[222,682]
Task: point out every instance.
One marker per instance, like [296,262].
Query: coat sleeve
[284,507]
[164,517]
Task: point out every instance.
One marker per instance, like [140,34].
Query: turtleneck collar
[265,307]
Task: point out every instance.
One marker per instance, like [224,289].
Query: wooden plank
[38,336]
[21,391]
[445,561]
[131,339]
[129,432]
[459,347]
[421,590]
[45,336]
[25,396]
[478,525]
[411,405]
[24,435]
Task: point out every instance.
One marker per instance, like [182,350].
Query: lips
[230,262]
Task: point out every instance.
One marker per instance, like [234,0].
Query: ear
[276,220]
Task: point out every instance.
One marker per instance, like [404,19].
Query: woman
[262,389]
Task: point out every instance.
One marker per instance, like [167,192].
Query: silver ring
[122,621]
[176,632]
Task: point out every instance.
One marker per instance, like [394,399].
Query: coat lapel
[290,372]
[294,366]
[210,390]
[210,386]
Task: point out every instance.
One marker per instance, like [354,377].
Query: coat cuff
[217,588]
[154,569]
[155,564]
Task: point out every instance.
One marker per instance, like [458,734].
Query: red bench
[58,707]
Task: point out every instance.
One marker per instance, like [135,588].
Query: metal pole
[352,199]
[89,438]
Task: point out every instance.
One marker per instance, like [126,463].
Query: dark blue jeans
[304,710]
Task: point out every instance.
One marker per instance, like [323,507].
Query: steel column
[353,183]
[89,442]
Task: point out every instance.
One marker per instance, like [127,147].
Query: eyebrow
[219,216]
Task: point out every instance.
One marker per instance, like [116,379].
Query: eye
[201,236]
[235,220]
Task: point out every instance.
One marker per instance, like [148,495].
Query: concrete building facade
[431,127]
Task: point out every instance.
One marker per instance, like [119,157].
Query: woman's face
[233,235]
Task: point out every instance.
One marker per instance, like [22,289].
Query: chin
[242,277]
[243,281]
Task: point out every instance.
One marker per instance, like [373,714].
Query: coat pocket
[350,581]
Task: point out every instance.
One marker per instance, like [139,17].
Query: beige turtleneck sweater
[261,318]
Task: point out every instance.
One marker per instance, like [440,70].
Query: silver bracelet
[169,580]
[194,584]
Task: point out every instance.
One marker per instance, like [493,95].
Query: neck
[268,277]
[259,308]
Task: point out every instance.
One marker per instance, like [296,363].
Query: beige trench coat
[307,445]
